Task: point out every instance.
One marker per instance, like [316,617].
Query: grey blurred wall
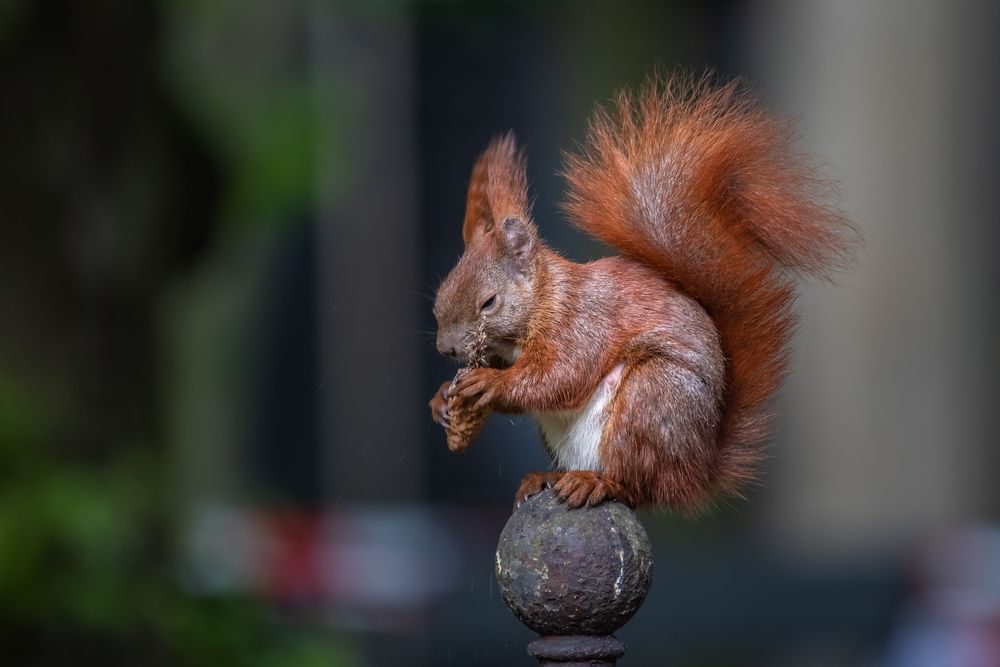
[889,413]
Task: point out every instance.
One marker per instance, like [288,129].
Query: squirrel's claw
[443,416]
[533,484]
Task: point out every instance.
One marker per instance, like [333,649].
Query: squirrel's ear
[518,239]
[498,189]
[478,217]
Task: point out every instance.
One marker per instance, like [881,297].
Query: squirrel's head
[486,299]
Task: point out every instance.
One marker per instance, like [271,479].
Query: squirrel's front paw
[478,385]
[439,406]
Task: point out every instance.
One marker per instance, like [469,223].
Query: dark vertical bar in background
[974,170]
[370,396]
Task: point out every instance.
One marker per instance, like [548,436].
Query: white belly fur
[574,436]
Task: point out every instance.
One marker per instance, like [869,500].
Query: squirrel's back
[698,181]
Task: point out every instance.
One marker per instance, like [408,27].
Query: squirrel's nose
[446,348]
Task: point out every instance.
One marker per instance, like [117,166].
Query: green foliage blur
[119,167]
[75,567]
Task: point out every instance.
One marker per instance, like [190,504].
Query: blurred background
[221,226]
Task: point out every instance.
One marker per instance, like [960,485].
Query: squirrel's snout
[446,346]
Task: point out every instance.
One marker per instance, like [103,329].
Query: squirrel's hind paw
[577,488]
[532,485]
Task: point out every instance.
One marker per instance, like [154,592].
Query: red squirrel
[649,373]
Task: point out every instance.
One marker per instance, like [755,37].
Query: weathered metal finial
[574,577]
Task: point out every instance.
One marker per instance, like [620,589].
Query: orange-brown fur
[713,212]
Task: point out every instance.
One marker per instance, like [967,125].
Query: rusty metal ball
[579,571]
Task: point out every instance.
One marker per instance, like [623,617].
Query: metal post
[574,577]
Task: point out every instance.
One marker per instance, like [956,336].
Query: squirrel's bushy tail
[698,181]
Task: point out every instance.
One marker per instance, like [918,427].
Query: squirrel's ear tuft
[498,188]
[478,218]
[518,239]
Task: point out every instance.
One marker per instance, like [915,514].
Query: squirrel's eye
[488,303]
